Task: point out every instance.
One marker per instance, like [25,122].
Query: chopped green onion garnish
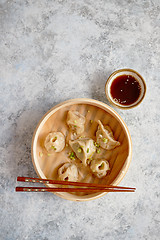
[49,154]
[54,147]
[87,150]
[41,154]
[96,144]
[71,155]
[79,150]
[55,137]
[75,126]
[98,151]
[105,140]
[75,121]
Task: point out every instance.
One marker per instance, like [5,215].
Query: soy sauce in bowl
[125,89]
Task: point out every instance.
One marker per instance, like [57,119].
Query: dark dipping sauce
[125,90]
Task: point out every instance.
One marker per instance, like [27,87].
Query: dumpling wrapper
[104,137]
[76,121]
[84,148]
[68,172]
[99,167]
[54,142]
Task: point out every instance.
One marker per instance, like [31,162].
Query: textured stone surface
[55,50]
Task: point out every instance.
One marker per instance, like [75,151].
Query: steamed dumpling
[84,148]
[99,167]
[68,172]
[54,142]
[104,137]
[76,121]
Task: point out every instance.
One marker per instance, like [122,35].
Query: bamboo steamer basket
[55,120]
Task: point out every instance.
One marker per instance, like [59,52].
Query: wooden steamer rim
[95,103]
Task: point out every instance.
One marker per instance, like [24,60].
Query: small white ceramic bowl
[121,72]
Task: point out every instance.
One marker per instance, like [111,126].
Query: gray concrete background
[52,51]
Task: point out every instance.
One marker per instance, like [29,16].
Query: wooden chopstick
[50,181]
[41,189]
